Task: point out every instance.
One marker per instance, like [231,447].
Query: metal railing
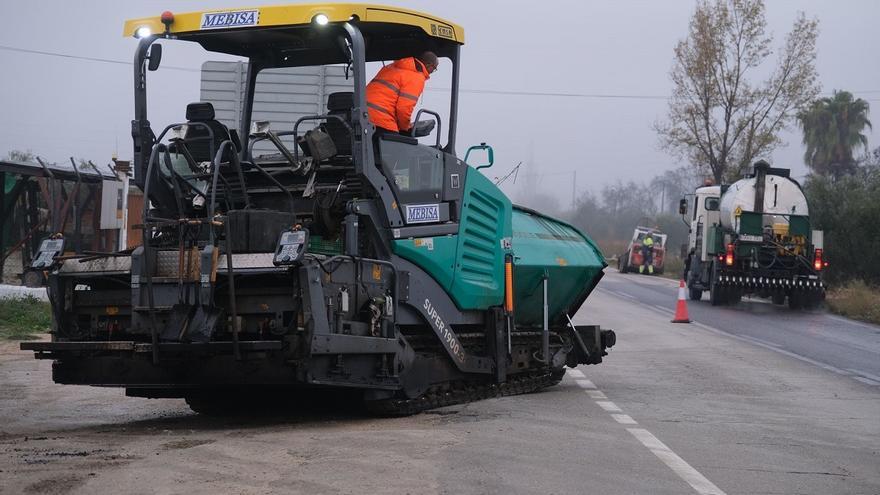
[212,220]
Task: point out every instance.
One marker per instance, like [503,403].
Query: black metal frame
[149,223]
[362,129]
[363,158]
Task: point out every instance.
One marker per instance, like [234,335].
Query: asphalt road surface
[674,409]
[837,344]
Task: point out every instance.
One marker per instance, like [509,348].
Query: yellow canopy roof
[298,14]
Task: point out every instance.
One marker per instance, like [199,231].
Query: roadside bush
[673,267]
[611,248]
[848,211]
[855,300]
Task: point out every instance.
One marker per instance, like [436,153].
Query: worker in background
[647,254]
[393,93]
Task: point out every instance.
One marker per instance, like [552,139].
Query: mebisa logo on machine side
[230,19]
[422,213]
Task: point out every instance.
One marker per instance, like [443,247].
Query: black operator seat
[340,104]
[197,142]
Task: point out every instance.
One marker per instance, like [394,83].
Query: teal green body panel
[435,255]
[571,261]
[479,259]
[469,266]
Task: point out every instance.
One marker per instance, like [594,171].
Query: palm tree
[832,130]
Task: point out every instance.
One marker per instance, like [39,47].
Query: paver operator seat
[340,104]
[197,136]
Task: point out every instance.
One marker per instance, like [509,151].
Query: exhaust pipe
[761,167]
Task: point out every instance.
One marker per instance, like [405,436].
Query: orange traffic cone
[681,309]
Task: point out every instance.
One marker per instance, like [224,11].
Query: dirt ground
[71,439]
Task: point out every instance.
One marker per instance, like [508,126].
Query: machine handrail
[439,123]
[315,117]
[294,157]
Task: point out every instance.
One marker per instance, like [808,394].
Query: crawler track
[463,392]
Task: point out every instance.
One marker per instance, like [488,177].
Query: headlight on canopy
[321,19]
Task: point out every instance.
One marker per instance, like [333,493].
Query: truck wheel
[695,294]
[734,297]
[811,300]
[795,300]
[716,294]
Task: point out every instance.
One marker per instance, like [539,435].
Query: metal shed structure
[82,202]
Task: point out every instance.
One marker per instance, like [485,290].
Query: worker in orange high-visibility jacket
[393,93]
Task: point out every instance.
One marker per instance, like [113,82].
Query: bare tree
[672,185]
[722,113]
[20,156]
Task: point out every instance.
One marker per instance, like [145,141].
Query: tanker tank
[782,197]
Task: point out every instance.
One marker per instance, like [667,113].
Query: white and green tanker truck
[754,237]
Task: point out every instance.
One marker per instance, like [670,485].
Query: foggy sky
[60,107]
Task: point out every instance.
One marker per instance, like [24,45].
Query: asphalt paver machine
[345,259]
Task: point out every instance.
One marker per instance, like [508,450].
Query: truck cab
[705,206]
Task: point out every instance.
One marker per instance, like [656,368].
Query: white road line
[664,309]
[586,384]
[774,344]
[852,322]
[576,373]
[609,406]
[678,465]
[624,419]
[712,329]
[866,378]
[657,282]
[867,381]
[865,374]
[762,342]
[805,359]
[617,293]
[624,294]
[659,310]
[773,347]
[684,470]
